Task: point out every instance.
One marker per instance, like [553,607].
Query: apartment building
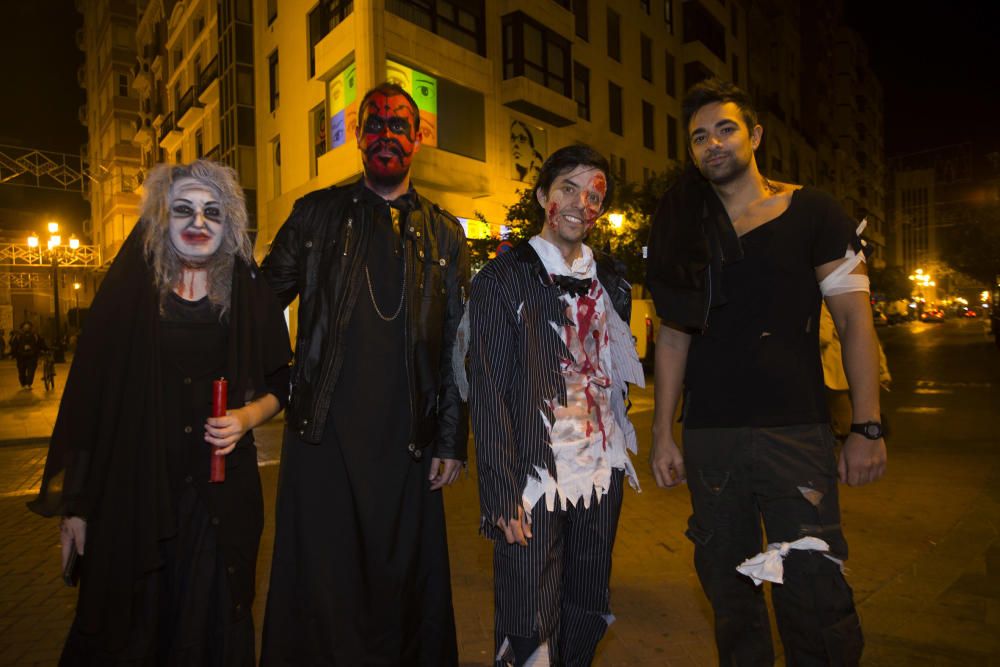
[107,39]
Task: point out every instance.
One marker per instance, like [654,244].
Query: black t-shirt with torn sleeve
[757,362]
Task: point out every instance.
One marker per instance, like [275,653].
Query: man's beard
[386,179]
[382,175]
[731,170]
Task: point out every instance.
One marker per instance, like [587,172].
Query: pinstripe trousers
[559,582]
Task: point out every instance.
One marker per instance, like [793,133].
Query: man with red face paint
[551,354]
[375,425]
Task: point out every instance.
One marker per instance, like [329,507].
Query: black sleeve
[833,229]
[492,364]
[278,382]
[281,265]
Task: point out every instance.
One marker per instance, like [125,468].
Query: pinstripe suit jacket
[514,368]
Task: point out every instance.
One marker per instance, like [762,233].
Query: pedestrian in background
[738,267]
[168,558]
[25,347]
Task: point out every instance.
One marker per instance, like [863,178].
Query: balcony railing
[209,74]
[186,101]
[167,126]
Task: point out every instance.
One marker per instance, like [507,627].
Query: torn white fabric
[539,658]
[458,353]
[841,280]
[589,433]
[769,565]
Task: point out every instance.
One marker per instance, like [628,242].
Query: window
[581,16]
[615,109]
[648,134]
[581,90]
[670,74]
[462,23]
[199,143]
[532,51]
[668,15]
[272,11]
[614,36]
[671,137]
[123,85]
[700,25]
[736,68]
[644,4]
[323,18]
[272,80]
[646,59]
[342,96]
[734,20]
[452,117]
[317,126]
[276,166]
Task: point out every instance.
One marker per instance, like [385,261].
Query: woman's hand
[72,535]
[225,432]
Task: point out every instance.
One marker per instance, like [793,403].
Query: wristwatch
[871,430]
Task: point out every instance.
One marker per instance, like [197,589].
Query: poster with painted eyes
[528,146]
[342,94]
[423,89]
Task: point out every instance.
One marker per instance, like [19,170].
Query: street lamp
[76,292]
[617,220]
[55,251]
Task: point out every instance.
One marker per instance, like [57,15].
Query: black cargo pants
[786,476]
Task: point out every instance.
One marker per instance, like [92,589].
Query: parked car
[932,315]
[970,313]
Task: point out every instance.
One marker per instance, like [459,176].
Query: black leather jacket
[317,255]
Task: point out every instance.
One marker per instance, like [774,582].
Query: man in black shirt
[738,267]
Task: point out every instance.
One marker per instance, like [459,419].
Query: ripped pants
[786,476]
[555,590]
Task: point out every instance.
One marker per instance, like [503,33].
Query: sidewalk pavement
[27,417]
[925,552]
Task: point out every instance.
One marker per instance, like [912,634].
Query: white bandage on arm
[841,280]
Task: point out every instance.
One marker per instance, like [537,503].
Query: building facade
[500,83]
[272,89]
[107,39]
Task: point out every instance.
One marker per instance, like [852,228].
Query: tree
[970,239]
[891,283]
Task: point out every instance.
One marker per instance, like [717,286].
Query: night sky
[40,102]
[938,64]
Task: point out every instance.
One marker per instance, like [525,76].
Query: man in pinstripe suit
[550,355]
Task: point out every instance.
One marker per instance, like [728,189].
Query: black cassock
[360,572]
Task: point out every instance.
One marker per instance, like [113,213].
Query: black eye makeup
[211,212]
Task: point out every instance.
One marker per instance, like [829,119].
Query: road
[925,549]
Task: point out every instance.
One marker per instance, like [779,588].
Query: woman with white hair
[165,557]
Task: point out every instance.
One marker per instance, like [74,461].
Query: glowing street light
[617,221]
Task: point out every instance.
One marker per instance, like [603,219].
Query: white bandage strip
[769,565]
[841,280]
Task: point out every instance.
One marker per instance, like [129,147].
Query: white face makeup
[196,224]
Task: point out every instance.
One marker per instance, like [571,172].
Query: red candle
[219,391]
